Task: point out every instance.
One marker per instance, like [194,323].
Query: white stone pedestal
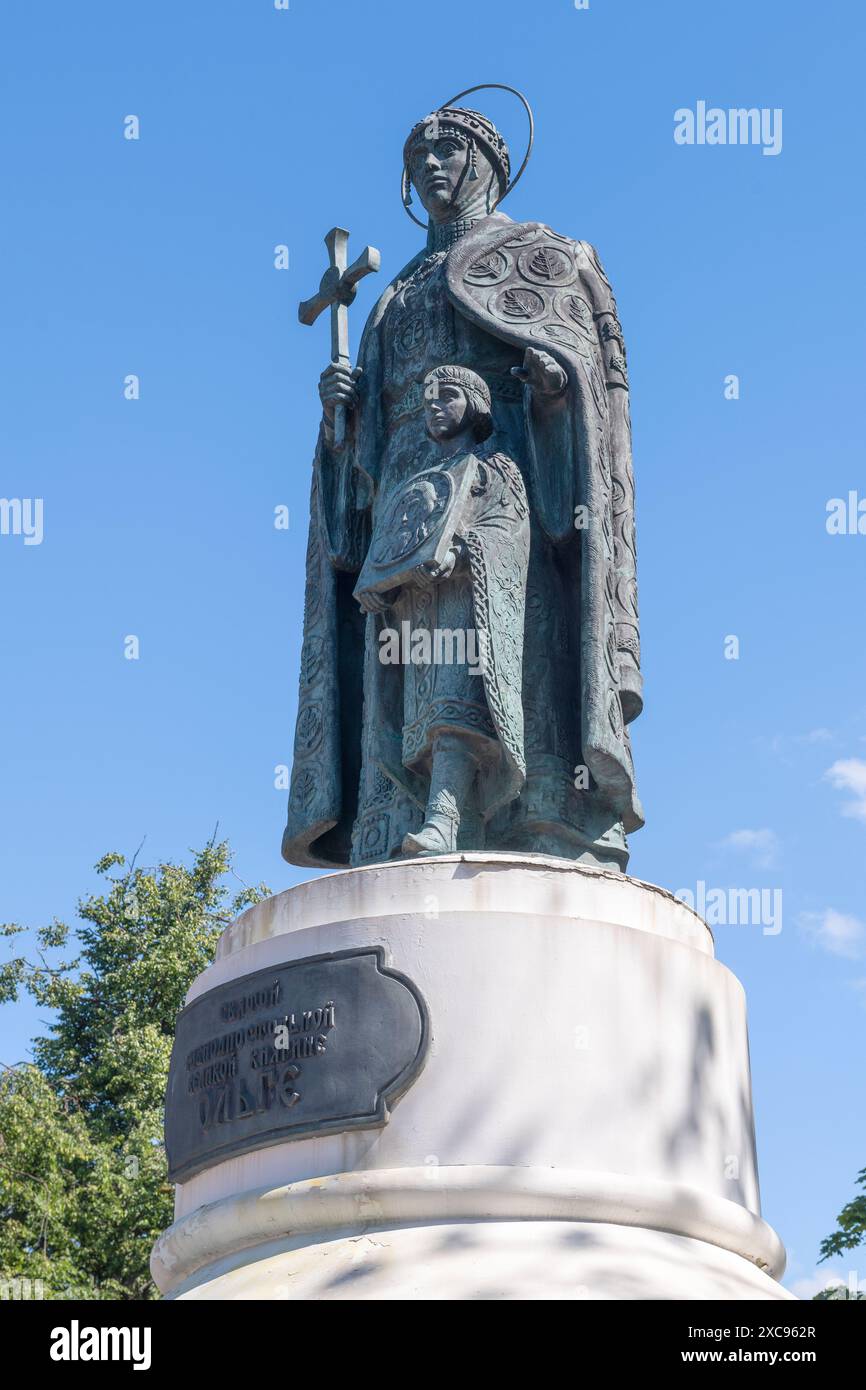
[582,1127]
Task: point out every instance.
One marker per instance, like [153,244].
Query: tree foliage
[851,1225]
[838,1293]
[83,1186]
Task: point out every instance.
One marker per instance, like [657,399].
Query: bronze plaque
[310,1047]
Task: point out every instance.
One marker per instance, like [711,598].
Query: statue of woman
[395,759]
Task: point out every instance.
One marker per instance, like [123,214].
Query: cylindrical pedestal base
[581,1128]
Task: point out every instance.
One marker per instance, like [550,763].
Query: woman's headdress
[478,131]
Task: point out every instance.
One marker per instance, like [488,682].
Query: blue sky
[156,257]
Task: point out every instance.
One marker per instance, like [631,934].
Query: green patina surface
[471,658]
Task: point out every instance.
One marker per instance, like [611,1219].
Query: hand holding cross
[337,289]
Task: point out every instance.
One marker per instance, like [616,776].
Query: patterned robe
[479,303]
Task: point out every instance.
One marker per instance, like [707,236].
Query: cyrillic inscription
[314,1046]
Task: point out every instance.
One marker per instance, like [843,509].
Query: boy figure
[462,716]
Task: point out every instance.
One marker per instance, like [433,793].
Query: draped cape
[529,287]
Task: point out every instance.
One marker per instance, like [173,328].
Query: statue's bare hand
[431,573]
[338,386]
[542,373]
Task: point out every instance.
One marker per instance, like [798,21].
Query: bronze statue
[473,477]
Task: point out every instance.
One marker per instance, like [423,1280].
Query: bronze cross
[337,289]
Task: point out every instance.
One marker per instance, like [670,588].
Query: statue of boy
[462,616]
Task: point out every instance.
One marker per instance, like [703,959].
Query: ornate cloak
[530,287]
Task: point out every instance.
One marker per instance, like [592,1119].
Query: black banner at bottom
[56,1339]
